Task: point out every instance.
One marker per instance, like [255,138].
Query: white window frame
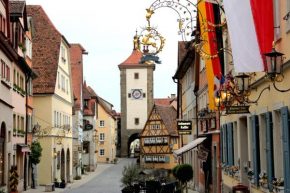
[102,137]
[155,111]
[100,123]
[104,152]
[162,158]
[165,139]
[152,140]
[158,140]
[155,158]
[157,126]
[148,158]
[153,127]
[146,141]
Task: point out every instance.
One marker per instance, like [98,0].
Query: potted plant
[13,179]
[115,160]
[130,176]
[83,169]
[56,183]
[14,132]
[78,177]
[62,184]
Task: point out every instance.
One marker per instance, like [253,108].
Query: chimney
[172,96]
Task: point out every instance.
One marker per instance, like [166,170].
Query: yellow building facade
[107,135]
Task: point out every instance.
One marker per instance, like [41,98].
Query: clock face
[136,94]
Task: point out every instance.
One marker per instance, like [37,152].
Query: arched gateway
[136,97]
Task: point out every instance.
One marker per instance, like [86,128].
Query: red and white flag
[251,30]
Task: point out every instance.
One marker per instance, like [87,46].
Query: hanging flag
[251,29]
[209,47]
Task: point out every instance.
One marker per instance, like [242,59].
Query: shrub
[130,175]
[185,173]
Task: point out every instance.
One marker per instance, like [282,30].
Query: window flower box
[6,82]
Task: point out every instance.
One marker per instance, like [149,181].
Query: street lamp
[274,61]
[243,82]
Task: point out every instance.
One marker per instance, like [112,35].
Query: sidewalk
[77,183]
[192,191]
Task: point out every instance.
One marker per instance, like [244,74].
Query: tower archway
[132,143]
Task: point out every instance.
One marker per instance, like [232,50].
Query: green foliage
[130,175]
[184,173]
[174,170]
[36,152]
[2,189]
[55,179]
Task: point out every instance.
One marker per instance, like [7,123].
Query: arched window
[2,146]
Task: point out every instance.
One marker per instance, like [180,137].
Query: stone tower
[136,98]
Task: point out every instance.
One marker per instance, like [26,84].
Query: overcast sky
[106,29]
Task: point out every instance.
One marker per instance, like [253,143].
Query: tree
[184,173]
[130,175]
[35,155]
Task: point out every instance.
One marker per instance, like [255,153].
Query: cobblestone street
[108,182]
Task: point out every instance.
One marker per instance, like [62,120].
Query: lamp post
[243,83]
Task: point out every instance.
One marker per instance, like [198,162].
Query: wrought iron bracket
[279,89]
[256,101]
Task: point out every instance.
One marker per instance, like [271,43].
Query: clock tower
[136,98]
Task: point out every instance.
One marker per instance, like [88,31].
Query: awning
[23,147]
[188,147]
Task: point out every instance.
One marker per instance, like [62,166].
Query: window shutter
[167,159]
[230,144]
[269,149]
[221,144]
[256,148]
[29,123]
[225,144]
[286,147]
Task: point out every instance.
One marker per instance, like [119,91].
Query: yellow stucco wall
[109,130]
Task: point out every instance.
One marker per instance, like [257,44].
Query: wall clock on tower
[136,93]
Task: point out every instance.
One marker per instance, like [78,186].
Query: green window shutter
[269,148]
[230,144]
[286,147]
[256,148]
[221,144]
[167,159]
[225,144]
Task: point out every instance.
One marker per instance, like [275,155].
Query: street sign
[184,132]
[88,126]
[202,154]
[237,109]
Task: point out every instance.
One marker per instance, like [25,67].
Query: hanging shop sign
[184,127]
[237,109]
[202,154]
[88,127]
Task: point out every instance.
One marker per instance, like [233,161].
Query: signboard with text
[237,109]
[202,154]
[184,127]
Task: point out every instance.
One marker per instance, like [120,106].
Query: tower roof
[133,61]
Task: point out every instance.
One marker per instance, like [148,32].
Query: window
[158,140]
[59,119]
[152,140]
[146,141]
[144,95]
[155,158]
[14,122]
[67,85]
[102,152]
[165,140]
[55,119]
[175,140]
[5,71]
[63,54]
[58,79]
[86,104]
[62,82]
[102,136]
[161,158]
[136,75]
[152,126]
[102,123]
[157,126]
[136,121]
[22,124]
[129,95]
[155,111]
[30,87]
[29,123]
[21,83]
[148,158]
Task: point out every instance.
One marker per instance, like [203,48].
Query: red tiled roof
[165,101]
[46,48]
[133,59]
[168,114]
[76,52]
[16,7]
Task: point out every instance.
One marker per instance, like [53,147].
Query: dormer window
[86,104]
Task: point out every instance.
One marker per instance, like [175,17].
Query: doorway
[62,172]
[68,166]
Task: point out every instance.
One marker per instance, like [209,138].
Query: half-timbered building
[159,137]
